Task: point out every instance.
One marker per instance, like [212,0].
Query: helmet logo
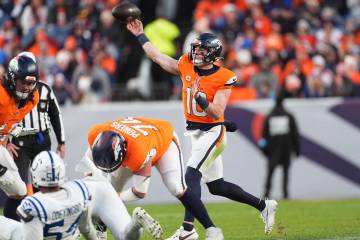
[217,42]
[116,146]
[14,65]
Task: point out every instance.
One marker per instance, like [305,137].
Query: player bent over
[137,144]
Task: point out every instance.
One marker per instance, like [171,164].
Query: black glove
[230,126]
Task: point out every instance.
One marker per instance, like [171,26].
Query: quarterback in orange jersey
[18,96]
[137,144]
[205,94]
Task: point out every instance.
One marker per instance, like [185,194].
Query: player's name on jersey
[125,129]
[63,213]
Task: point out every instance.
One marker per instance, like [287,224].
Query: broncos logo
[116,146]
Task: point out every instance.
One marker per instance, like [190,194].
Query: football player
[61,209]
[18,96]
[58,210]
[134,145]
[205,94]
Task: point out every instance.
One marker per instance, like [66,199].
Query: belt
[37,137]
[44,133]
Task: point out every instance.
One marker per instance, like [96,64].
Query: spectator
[265,81]
[228,24]
[61,89]
[91,82]
[34,15]
[319,82]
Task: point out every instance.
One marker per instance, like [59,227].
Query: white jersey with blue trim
[59,211]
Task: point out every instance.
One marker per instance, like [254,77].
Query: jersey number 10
[191,104]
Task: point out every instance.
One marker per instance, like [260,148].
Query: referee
[42,117]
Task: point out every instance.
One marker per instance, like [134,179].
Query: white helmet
[47,170]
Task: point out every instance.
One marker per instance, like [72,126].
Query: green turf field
[300,220]
[335,219]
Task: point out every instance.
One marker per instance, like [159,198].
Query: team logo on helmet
[116,146]
[14,65]
[216,42]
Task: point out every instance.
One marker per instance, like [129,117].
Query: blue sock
[192,202]
[234,192]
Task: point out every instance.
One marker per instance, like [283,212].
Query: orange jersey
[10,114]
[221,79]
[142,135]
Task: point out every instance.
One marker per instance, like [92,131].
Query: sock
[10,208]
[193,178]
[234,192]
[196,208]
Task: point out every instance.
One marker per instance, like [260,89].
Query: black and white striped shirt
[46,114]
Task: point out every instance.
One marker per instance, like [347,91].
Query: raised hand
[195,88]
[135,27]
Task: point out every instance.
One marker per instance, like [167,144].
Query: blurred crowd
[305,48]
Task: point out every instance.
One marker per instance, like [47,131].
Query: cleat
[213,233]
[149,224]
[101,235]
[182,234]
[100,230]
[268,215]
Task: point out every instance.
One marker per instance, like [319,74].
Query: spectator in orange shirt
[209,8]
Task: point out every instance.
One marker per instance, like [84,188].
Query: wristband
[203,102]
[142,39]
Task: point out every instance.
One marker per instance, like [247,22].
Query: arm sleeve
[33,230]
[56,118]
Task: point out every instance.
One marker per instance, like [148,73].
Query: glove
[230,126]
[19,131]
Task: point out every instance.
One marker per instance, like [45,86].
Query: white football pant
[11,182]
[10,229]
[107,205]
[206,149]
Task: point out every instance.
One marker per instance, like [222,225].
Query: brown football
[126,11]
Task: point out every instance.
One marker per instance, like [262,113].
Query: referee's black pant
[29,147]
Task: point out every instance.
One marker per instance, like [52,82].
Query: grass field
[296,220]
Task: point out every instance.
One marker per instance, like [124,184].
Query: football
[126,11]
